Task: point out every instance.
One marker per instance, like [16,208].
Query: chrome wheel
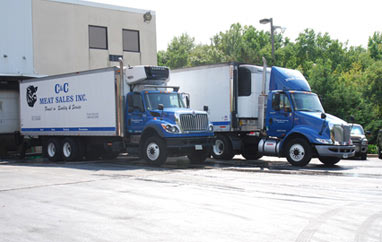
[297,152]
[218,147]
[51,149]
[67,149]
[153,151]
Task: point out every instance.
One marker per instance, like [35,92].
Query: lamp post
[273,28]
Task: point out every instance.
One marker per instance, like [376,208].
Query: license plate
[198,147]
[345,156]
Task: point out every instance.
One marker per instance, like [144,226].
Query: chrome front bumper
[340,151]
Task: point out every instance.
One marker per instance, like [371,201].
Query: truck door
[136,116]
[280,116]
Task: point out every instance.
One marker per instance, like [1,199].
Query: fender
[305,131]
[154,125]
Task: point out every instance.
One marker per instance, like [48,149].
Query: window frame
[107,40]
[139,41]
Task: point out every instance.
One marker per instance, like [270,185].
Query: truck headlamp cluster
[325,141]
[210,128]
[364,142]
[173,129]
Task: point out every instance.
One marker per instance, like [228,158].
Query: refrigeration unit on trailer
[105,112]
[260,111]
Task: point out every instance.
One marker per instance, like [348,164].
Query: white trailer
[65,104]
[232,94]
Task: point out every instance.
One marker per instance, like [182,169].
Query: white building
[45,37]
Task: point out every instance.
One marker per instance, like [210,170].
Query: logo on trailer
[31,96]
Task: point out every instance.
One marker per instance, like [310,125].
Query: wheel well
[295,136]
[149,132]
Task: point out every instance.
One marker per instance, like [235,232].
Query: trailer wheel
[298,152]
[222,149]
[71,149]
[154,151]
[329,161]
[53,149]
[250,151]
[198,156]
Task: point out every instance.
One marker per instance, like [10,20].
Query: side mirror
[160,107]
[323,115]
[205,108]
[188,101]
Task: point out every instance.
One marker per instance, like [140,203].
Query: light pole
[273,28]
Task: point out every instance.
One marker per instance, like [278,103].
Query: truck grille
[194,122]
[340,134]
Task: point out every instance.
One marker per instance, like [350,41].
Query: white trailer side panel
[9,111]
[75,104]
[248,105]
[208,86]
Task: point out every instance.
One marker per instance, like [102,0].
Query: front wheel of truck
[298,152]
[329,161]
[154,151]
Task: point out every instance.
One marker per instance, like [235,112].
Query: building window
[97,37]
[131,40]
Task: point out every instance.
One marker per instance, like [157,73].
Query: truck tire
[154,151]
[298,152]
[250,151]
[379,150]
[198,156]
[71,149]
[222,149]
[248,155]
[329,161]
[53,149]
[364,156]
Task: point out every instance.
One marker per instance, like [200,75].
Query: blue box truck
[105,112]
[260,111]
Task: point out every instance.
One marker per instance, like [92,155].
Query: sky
[348,21]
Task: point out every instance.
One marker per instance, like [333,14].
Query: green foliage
[372,149]
[347,79]
[375,46]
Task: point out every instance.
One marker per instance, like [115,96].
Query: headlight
[171,128]
[325,141]
[211,128]
[364,142]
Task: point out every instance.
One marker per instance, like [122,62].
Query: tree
[375,46]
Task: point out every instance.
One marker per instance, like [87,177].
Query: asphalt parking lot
[126,200]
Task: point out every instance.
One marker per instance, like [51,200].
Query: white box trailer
[66,105]
[9,120]
[231,92]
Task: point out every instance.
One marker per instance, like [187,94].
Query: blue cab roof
[288,79]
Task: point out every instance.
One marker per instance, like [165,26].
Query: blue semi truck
[260,111]
[105,112]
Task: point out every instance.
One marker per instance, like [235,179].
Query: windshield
[308,102]
[357,130]
[169,100]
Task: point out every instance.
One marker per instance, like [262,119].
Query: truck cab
[158,121]
[297,125]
